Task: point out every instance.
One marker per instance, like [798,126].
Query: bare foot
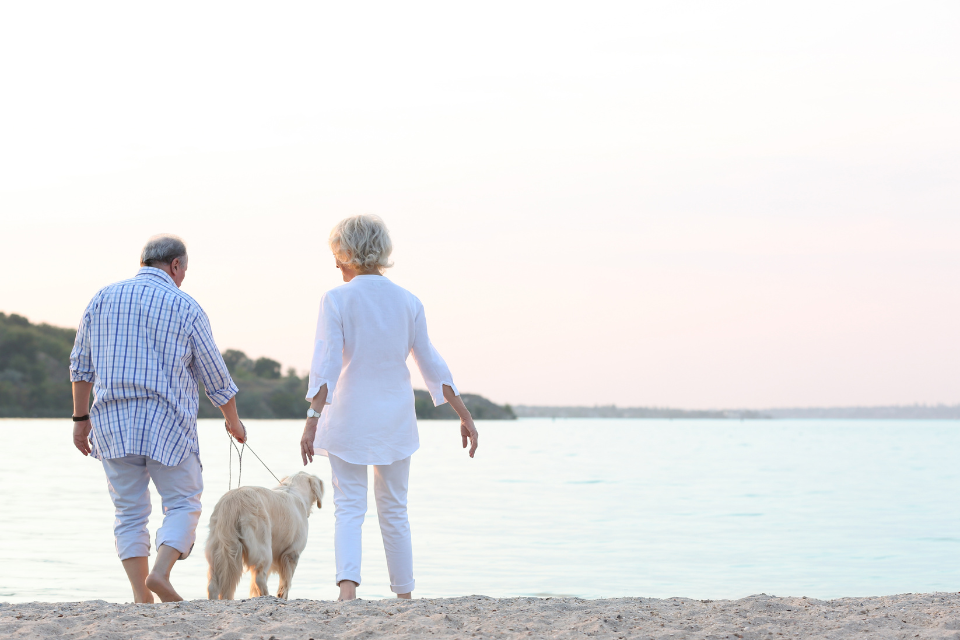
[163,588]
[137,571]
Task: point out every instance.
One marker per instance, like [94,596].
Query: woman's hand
[469,432]
[306,442]
[310,430]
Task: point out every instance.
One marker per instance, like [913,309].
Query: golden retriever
[263,530]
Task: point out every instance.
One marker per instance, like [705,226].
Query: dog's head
[309,486]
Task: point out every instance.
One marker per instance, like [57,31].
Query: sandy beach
[901,616]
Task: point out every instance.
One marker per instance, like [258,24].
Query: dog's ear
[316,484]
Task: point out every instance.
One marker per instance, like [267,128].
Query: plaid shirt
[144,344]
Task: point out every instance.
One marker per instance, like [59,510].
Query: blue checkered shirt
[145,344]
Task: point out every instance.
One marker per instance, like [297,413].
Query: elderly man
[141,346]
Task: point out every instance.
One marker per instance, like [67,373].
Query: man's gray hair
[363,242]
[163,249]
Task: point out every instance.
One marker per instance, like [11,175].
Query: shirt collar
[153,272]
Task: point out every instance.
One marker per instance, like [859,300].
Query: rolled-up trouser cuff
[133,549]
[404,588]
[348,576]
[179,546]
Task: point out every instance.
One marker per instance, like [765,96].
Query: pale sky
[685,204]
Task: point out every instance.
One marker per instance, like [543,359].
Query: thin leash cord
[263,463]
[240,450]
[230,450]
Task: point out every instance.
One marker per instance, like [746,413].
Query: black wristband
[81,418]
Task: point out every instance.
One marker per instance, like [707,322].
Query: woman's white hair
[362,242]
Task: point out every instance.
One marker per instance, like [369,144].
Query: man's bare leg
[159,579]
[405,596]
[348,590]
[137,569]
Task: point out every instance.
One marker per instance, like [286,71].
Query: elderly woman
[361,400]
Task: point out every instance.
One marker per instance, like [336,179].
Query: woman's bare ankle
[348,590]
[405,596]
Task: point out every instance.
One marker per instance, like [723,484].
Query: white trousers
[179,487]
[350,506]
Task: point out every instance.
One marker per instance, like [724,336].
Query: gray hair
[362,242]
[163,249]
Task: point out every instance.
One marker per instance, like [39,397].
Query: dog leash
[231,446]
[243,446]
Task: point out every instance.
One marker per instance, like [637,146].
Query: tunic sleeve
[432,367]
[327,350]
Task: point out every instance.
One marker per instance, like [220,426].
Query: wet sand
[934,615]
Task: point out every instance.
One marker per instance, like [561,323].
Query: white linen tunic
[366,329]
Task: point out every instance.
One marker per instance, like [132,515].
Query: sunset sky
[685,204]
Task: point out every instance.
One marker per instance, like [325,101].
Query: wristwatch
[312,414]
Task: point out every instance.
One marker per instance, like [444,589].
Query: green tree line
[35,380]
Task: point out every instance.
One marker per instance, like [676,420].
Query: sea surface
[578,507]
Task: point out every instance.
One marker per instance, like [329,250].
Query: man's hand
[237,430]
[231,420]
[81,436]
[306,442]
[469,432]
[81,407]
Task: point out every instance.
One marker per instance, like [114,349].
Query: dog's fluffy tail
[235,527]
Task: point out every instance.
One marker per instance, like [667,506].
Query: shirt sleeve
[327,359]
[432,367]
[81,363]
[208,364]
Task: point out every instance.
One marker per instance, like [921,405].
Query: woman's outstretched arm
[467,429]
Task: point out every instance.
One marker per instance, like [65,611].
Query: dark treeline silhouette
[34,369]
[35,380]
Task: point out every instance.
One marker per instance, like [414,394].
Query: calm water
[592,508]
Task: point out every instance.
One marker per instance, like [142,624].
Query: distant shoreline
[35,383]
[894,412]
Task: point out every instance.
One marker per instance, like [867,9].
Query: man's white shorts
[179,487]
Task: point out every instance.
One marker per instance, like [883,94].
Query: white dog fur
[264,530]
